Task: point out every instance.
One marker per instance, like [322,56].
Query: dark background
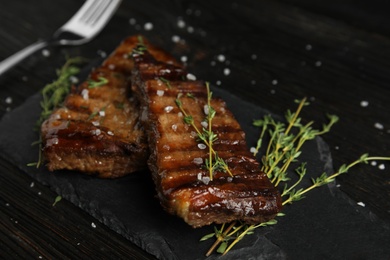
[336,53]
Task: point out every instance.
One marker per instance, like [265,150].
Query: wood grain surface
[336,53]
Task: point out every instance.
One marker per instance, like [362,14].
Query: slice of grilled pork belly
[177,160]
[97,130]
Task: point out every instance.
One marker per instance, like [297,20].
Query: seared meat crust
[177,156]
[97,130]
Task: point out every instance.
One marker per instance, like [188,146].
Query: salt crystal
[190,29]
[198,161]
[373,163]
[204,124]
[160,93]
[206,109]
[183,58]
[102,54]
[206,180]
[272,91]
[8,100]
[74,79]
[93,225]
[110,133]
[181,23]
[318,63]
[253,150]
[191,76]
[308,47]
[46,53]
[148,26]
[132,21]
[381,166]
[102,113]
[96,123]
[168,109]
[32,184]
[175,38]
[364,103]
[202,146]
[84,94]
[213,63]
[360,203]
[274,82]
[218,82]
[226,71]
[221,58]
[174,127]
[378,126]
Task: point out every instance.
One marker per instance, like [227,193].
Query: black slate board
[325,225]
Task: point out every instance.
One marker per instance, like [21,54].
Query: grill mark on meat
[177,159]
[97,131]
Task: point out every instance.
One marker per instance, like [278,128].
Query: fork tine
[98,11]
[91,17]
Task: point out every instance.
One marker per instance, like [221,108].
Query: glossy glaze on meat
[97,131]
[177,156]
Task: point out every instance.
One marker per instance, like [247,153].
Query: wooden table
[335,53]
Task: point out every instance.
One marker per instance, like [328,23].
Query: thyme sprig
[283,149]
[53,95]
[213,163]
[100,82]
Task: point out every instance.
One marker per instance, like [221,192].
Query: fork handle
[11,61]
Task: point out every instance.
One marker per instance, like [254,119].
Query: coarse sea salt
[202,146]
[360,203]
[148,26]
[378,126]
[184,59]
[191,76]
[221,58]
[364,103]
[8,100]
[226,71]
[181,23]
[168,109]
[46,53]
[175,38]
[160,93]
[381,166]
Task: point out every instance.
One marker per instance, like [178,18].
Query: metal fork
[81,28]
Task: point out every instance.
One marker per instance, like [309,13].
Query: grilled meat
[97,131]
[177,159]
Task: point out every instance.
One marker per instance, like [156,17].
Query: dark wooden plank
[32,227]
